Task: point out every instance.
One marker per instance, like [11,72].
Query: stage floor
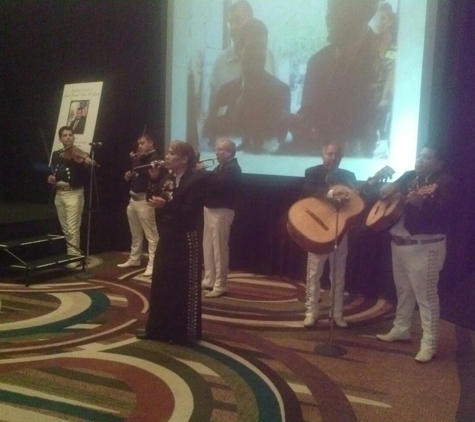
[69,352]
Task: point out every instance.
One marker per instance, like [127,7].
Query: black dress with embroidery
[175,296]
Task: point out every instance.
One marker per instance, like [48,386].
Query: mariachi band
[167,198]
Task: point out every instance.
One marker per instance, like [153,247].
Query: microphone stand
[86,275]
[328,348]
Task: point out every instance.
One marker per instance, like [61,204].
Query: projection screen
[326,71]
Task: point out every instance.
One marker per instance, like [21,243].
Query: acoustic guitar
[388,211]
[312,222]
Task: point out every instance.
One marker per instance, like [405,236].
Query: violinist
[140,215]
[69,174]
[418,247]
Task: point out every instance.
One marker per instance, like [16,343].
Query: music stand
[328,348]
[86,275]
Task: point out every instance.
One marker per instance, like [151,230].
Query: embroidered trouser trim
[315,266]
[416,275]
[70,205]
[194,288]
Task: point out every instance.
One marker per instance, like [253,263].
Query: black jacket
[184,208]
[318,180]
[434,215]
[69,171]
[222,185]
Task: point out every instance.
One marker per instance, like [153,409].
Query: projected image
[346,94]
[254,107]
[77,116]
[283,78]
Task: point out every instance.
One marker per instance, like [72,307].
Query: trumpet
[209,162]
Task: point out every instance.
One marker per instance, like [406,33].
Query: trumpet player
[141,216]
[418,247]
[220,198]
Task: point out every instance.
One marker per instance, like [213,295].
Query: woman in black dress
[175,296]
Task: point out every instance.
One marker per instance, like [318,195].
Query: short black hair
[146,136]
[62,129]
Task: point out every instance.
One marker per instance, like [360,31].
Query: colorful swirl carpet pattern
[68,352]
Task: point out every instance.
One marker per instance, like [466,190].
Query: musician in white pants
[320,182]
[140,214]
[315,266]
[221,189]
[69,174]
[141,222]
[69,206]
[419,247]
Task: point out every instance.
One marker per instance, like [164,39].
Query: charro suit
[221,189]
[418,253]
[318,183]
[71,177]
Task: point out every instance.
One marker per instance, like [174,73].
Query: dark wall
[55,42]
[52,43]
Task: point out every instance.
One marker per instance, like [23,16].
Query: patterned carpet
[68,352]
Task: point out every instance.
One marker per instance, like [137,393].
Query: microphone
[153,164]
[338,203]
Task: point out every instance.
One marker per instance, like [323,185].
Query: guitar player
[418,247]
[318,182]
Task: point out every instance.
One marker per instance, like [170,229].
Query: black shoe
[147,336]
[143,336]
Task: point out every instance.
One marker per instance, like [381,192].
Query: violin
[78,155]
[136,157]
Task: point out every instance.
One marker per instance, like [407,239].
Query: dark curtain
[124,44]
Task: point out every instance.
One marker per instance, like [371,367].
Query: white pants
[416,275]
[70,205]
[315,266]
[142,220]
[217,226]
